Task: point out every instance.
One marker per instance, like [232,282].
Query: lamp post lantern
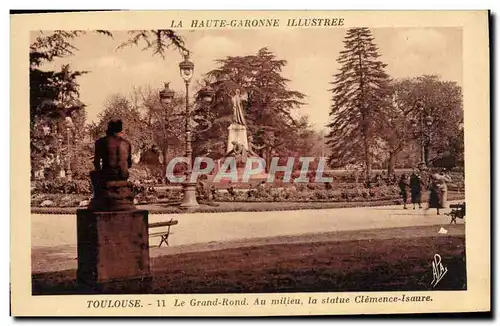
[166,94]
[186,69]
[207,94]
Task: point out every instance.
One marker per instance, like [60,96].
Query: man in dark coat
[113,154]
[416,189]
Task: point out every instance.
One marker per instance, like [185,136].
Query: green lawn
[401,263]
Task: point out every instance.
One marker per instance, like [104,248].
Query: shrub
[62,186]
[312,186]
[320,194]
[300,187]
[142,175]
[58,200]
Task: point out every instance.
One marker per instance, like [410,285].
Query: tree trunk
[366,144]
[392,163]
[165,164]
[267,158]
[426,154]
[368,161]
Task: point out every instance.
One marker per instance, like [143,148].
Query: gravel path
[54,236]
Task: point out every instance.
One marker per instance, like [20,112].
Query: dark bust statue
[113,155]
[112,159]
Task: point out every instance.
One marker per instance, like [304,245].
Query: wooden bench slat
[160,224]
[161,233]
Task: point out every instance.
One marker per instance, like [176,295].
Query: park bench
[163,234]
[457,211]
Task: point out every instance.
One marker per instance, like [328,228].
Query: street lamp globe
[207,94]
[166,94]
[68,122]
[186,68]
[428,120]
[414,122]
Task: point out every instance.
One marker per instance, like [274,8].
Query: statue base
[238,134]
[110,195]
[113,251]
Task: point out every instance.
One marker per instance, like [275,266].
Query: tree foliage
[154,130]
[360,96]
[54,95]
[441,101]
[135,127]
[166,125]
[157,40]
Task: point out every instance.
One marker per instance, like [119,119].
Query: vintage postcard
[250,163]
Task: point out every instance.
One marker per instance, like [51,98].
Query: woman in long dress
[438,195]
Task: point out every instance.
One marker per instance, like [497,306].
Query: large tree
[360,96]
[54,93]
[415,99]
[395,131]
[268,106]
[54,96]
[134,126]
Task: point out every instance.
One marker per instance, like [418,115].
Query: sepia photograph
[311,157]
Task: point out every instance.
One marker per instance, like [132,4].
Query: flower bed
[311,192]
[58,200]
[62,193]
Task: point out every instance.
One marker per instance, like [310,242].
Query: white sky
[311,55]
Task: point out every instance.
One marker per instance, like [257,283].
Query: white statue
[238,116]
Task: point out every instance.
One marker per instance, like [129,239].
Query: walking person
[445,178]
[403,186]
[416,188]
[438,191]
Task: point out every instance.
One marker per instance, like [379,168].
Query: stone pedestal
[113,251]
[237,133]
[115,195]
[189,196]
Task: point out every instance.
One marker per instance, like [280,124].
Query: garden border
[259,207]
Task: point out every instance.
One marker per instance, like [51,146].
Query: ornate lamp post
[186,68]
[422,125]
[69,126]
